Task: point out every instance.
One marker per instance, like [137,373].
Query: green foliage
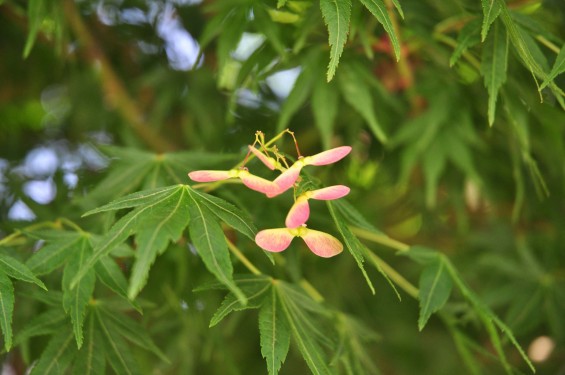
[113,261]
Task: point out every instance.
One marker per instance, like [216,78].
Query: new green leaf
[378,8]
[210,242]
[494,64]
[337,15]
[6,309]
[435,288]
[275,333]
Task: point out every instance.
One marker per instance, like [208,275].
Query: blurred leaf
[491,10]
[6,309]
[274,331]
[46,323]
[209,240]
[263,18]
[435,288]
[353,216]
[283,17]
[300,91]
[35,13]
[468,37]
[378,9]
[325,103]
[337,14]
[356,92]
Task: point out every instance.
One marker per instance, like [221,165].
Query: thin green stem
[19,232]
[71,224]
[547,43]
[312,292]
[239,255]
[381,239]
[398,279]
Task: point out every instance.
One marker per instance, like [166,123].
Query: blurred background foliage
[455,112]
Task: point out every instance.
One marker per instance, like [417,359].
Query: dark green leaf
[493,66]
[435,288]
[117,351]
[228,213]
[131,331]
[378,8]
[6,309]
[337,14]
[47,323]
[17,270]
[57,355]
[210,242]
[275,333]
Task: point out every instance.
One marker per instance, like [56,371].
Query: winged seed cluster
[278,239]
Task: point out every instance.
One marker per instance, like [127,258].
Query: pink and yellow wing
[209,176]
[257,183]
[269,162]
[329,156]
[275,240]
[330,193]
[298,214]
[286,179]
[322,244]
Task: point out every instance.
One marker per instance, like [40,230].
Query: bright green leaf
[491,10]
[165,224]
[35,13]
[337,14]
[17,270]
[136,199]
[351,242]
[55,252]
[274,332]
[435,288]
[378,8]
[210,242]
[76,299]
[494,64]
[6,309]
[228,213]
